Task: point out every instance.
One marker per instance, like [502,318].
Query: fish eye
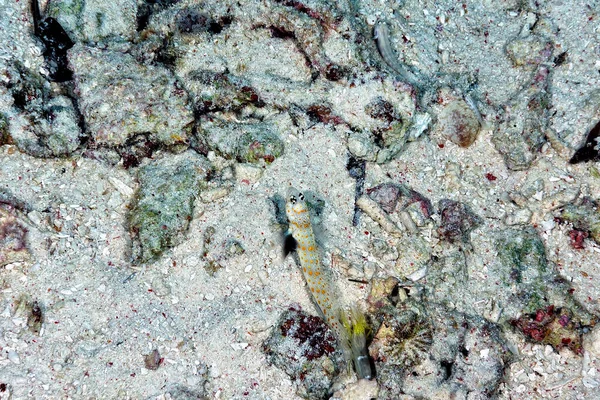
[293,199]
[301,196]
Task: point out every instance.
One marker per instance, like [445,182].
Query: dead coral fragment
[13,244]
[402,340]
[372,209]
[553,326]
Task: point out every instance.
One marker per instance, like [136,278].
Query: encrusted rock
[247,142]
[303,346]
[585,218]
[522,131]
[433,352]
[164,203]
[43,124]
[212,91]
[121,98]
[95,20]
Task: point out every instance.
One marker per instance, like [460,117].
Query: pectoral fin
[289,244]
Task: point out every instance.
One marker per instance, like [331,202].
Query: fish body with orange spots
[349,329]
[317,278]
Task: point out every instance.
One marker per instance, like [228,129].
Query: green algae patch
[164,203]
[524,255]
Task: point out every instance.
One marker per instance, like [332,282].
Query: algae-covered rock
[247,142]
[121,98]
[522,131]
[303,346]
[553,326]
[531,50]
[164,203]
[585,217]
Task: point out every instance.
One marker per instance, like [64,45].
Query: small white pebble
[248,268]
[14,357]
[209,296]
[57,367]
[263,276]
[214,372]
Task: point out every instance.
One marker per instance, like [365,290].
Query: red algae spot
[577,238]
[490,177]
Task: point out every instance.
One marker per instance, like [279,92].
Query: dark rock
[303,346]
[457,221]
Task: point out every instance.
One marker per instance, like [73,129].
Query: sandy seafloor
[100,320]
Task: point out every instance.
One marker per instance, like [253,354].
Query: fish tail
[356,329]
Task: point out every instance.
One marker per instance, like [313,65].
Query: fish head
[296,207]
